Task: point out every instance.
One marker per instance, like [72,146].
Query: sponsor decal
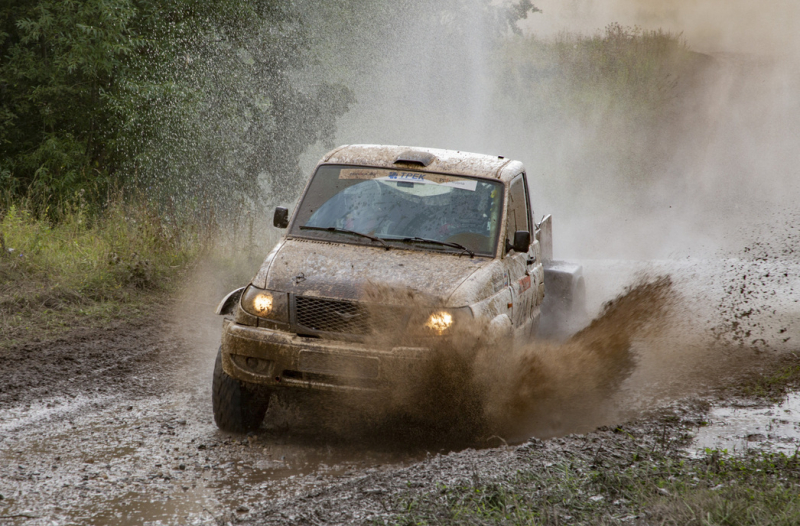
[399,176]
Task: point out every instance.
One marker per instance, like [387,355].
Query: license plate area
[338,365]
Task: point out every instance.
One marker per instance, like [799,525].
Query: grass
[83,267]
[775,385]
[97,258]
[646,487]
[87,270]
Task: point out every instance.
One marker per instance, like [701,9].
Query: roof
[426,160]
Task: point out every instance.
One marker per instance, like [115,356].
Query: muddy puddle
[161,461]
[246,480]
[737,429]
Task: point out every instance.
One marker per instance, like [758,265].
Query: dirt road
[115,426]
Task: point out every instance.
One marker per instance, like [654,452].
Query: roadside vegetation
[88,269]
[135,137]
[641,486]
[621,72]
[85,268]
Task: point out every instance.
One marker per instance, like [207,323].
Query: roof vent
[415,157]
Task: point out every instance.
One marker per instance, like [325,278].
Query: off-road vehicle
[456,228]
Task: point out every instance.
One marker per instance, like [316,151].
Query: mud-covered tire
[236,408]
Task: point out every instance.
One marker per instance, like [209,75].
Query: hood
[329,270]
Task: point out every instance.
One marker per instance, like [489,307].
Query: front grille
[323,315]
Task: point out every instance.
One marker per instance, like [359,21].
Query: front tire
[236,408]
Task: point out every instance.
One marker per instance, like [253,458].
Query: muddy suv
[452,227]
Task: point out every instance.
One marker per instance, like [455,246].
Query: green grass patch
[90,257]
[775,385]
[87,270]
[646,486]
[81,270]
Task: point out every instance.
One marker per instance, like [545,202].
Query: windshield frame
[295,232]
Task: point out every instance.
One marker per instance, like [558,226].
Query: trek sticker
[524,284]
[437,179]
[408,177]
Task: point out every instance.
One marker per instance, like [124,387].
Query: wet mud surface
[115,426]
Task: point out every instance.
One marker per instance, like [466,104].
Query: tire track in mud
[51,405]
[55,367]
[79,407]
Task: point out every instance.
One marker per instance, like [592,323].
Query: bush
[87,257]
[624,71]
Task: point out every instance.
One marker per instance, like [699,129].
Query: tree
[60,59]
[179,96]
[193,99]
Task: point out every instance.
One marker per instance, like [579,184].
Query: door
[521,266]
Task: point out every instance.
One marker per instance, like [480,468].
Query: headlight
[439,322]
[262,304]
[265,303]
[444,321]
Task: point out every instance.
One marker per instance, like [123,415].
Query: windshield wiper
[345,231]
[437,242]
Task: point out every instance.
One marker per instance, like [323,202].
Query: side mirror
[281,217]
[522,241]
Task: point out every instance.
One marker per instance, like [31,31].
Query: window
[517,208]
[399,206]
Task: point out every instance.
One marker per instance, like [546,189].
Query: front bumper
[278,359]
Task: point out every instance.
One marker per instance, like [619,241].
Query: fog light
[252,364]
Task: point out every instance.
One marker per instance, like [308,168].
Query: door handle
[531,260]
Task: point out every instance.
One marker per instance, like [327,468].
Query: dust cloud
[714,176]
[720,159]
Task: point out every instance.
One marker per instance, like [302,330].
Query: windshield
[402,208]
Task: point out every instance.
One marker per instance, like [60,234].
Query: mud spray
[705,190]
[479,389]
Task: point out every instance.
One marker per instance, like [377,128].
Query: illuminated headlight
[439,322]
[262,304]
[442,322]
[265,303]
